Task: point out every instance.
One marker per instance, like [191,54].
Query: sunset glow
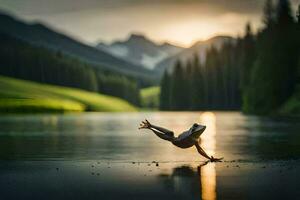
[181,23]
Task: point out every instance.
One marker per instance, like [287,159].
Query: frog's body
[188,138]
[185,140]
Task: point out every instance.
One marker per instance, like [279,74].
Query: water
[105,156]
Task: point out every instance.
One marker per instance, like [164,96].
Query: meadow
[150,97]
[19,96]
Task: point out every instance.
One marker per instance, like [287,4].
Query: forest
[25,61]
[257,73]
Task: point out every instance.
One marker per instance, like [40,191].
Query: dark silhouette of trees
[284,13]
[273,77]
[197,86]
[24,61]
[298,41]
[269,14]
[257,73]
[298,15]
[248,57]
[165,92]
[178,88]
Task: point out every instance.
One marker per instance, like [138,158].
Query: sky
[181,22]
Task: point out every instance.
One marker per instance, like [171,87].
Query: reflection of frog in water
[185,140]
[184,181]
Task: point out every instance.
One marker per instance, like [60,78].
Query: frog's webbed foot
[212,159]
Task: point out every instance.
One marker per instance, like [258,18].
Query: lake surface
[105,156]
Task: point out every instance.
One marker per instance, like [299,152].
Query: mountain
[140,50]
[198,48]
[40,35]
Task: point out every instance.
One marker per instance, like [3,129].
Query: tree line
[24,61]
[257,73]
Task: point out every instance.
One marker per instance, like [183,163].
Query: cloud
[181,21]
[46,7]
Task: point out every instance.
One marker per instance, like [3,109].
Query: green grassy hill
[150,97]
[41,35]
[20,96]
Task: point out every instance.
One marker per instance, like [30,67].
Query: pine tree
[284,13]
[269,14]
[197,81]
[248,56]
[298,41]
[287,52]
[177,101]
[211,77]
[25,61]
[187,85]
[298,15]
[273,76]
[165,92]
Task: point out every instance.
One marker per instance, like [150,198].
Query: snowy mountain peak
[138,49]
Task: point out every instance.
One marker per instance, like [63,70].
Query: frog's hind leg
[201,151]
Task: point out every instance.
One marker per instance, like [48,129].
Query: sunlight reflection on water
[208,172]
[105,156]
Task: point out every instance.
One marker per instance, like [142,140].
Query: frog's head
[196,127]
